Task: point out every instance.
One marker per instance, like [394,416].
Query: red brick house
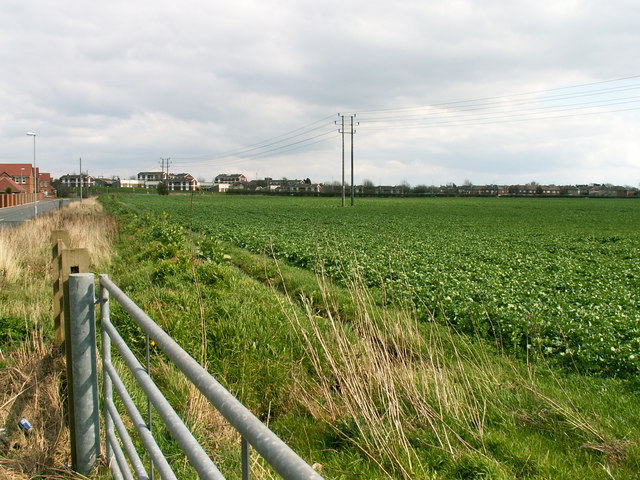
[8,184]
[23,175]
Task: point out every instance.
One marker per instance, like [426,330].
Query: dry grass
[391,386]
[25,250]
[31,388]
[383,385]
[32,377]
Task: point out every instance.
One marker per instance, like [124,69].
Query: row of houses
[187,182]
[238,183]
[19,179]
[529,190]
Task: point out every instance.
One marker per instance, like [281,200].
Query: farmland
[376,382]
[554,277]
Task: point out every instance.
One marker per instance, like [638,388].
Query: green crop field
[348,345]
[554,277]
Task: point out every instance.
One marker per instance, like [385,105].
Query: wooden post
[65,262]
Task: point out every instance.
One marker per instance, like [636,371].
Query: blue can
[24,425]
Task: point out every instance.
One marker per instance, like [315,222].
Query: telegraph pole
[80,179]
[342,134]
[352,186]
[351,132]
[163,161]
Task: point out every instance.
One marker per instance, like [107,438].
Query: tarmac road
[12,216]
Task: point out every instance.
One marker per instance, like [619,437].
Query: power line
[587,99]
[298,132]
[558,103]
[499,97]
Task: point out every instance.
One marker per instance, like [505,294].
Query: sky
[492,91]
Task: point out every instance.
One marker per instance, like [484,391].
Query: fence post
[65,262]
[82,373]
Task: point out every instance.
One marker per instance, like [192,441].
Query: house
[151,179]
[23,175]
[305,188]
[489,190]
[550,190]
[224,181]
[570,190]
[389,190]
[229,178]
[113,182]
[130,183]
[9,185]
[45,185]
[75,181]
[182,182]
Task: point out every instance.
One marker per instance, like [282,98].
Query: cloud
[123,83]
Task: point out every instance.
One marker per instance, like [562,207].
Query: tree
[368,186]
[163,188]
[307,181]
[62,190]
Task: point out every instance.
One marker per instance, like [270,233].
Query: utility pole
[163,161]
[352,186]
[80,179]
[341,130]
[351,132]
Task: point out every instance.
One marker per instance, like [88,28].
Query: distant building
[113,182]
[230,178]
[74,181]
[182,182]
[152,176]
[130,183]
[224,181]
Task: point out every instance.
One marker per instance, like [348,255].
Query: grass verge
[31,370]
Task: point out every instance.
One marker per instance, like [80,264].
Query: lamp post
[35,176]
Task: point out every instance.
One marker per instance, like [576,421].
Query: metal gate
[123,458]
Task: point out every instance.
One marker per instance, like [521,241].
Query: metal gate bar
[253,432]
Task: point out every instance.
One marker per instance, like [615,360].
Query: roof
[8,182]
[75,175]
[227,175]
[181,176]
[16,169]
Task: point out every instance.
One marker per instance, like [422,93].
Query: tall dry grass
[32,377]
[384,385]
[394,387]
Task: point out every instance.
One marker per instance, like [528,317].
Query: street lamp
[35,176]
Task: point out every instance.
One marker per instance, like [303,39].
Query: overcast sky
[491,91]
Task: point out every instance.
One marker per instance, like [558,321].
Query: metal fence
[124,460]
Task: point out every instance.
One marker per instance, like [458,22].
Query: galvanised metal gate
[121,454]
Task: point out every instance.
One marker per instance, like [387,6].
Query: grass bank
[365,391]
[31,370]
